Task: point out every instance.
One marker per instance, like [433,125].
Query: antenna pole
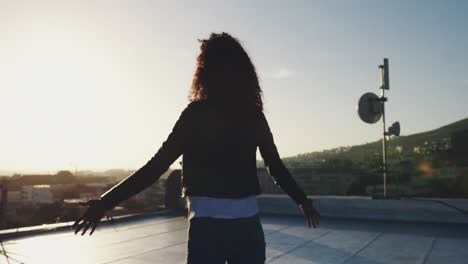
[384,84]
[384,147]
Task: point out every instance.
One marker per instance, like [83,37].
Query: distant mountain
[439,138]
[437,135]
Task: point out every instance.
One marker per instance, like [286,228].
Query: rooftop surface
[163,239]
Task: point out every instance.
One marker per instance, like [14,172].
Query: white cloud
[282,73]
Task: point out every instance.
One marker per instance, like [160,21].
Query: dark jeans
[215,241]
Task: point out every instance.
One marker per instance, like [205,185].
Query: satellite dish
[394,130]
[370,108]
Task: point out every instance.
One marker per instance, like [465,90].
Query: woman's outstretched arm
[170,150]
[280,173]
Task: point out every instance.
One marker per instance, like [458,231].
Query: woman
[218,134]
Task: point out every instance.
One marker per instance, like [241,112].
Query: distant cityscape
[33,199]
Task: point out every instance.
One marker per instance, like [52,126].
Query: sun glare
[57,91]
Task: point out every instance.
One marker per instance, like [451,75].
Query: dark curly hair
[225,75]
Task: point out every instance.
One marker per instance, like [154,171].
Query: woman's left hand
[91,217]
[310,213]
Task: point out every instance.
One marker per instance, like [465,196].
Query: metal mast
[384,85]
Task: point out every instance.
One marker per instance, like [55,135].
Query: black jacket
[219,157]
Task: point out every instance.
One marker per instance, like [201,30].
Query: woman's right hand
[310,213]
[91,217]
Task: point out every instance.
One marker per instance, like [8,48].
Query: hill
[439,139]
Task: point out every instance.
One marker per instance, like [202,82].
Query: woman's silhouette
[218,134]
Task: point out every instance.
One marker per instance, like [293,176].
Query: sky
[100,84]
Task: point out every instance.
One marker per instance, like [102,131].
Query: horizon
[81,80]
[100,171]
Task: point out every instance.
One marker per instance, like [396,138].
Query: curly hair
[225,75]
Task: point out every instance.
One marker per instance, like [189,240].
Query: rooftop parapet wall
[430,211]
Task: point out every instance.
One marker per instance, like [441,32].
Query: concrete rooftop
[162,239]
